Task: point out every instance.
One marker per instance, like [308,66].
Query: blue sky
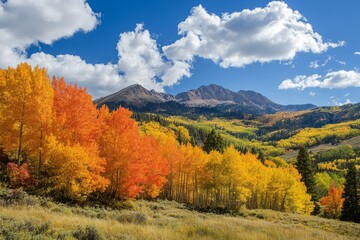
[290,51]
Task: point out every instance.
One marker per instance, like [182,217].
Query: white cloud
[141,61]
[312,93]
[337,102]
[275,32]
[24,23]
[100,79]
[337,79]
[314,64]
[357,53]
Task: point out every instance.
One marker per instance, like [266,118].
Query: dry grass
[162,220]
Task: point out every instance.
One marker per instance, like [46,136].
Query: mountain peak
[134,87]
[210,95]
[135,95]
[205,96]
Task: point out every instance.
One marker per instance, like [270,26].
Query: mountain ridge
[212,98]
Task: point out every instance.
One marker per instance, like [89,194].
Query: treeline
[315,118]
[343,152]
[227,179]
[331,133]
[56,142]
[199,135]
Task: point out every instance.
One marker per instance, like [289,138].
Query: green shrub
[87,233]
[131,217]
[125,205]
[17,196]
[23,229]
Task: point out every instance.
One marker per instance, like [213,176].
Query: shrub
[18,196]
[125,205]
[87,233]
[131,217]
[19,175]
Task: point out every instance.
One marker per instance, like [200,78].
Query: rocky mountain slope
[212,99]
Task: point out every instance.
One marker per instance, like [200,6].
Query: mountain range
[212,99]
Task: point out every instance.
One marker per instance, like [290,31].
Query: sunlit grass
[162,220]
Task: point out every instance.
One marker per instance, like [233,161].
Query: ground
[37,218]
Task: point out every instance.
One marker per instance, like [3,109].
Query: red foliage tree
[19,175]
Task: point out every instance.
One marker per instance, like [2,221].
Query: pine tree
[261,156]
[213,142]
[350,210]
[304,167]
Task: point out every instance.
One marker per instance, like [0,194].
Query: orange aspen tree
[74,148]
[76,117]
[332,203]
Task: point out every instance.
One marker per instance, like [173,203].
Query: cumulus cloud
[24,23]
[337,102]
[335,79]
[312,93]
[141,61]
[357,53]
[275,32]
[100,79]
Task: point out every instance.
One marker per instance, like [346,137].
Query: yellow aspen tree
[76,171]
[27,114]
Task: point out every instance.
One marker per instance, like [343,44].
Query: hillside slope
[210,100]
[354,142]
[33,218]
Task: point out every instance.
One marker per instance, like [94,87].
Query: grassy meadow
[27,217]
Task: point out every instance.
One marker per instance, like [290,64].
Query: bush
[87,233]
[131,217]
[23,229]
[125,205]
[17,196]
[19,175]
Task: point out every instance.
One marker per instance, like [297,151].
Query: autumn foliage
[19,175]
[134,162]
[332,203]
[56,136]
[227,180]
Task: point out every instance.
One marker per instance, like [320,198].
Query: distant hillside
[210,100]
[354,142]
[287,124]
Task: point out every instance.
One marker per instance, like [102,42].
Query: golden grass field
[43,219]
